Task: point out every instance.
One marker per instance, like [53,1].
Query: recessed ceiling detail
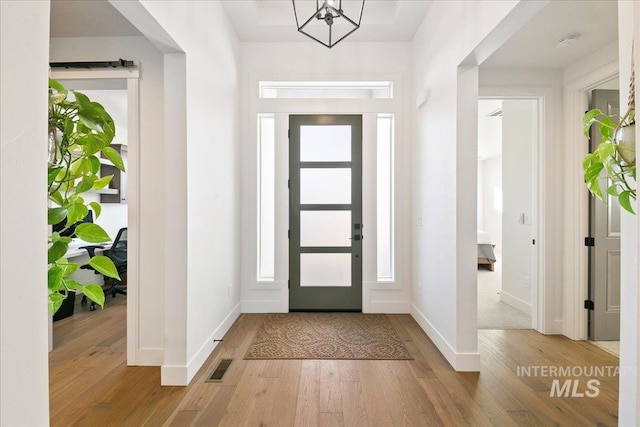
[274,21]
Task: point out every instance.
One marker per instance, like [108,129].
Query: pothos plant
[615,155]
[79,132]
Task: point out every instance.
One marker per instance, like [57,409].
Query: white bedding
[484,238]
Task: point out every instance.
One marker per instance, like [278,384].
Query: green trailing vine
[610,157]
[79,132]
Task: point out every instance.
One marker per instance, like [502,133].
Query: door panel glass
[325,270]
[325,186]
[325,143]
[325,228]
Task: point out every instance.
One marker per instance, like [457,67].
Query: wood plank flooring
[90,384]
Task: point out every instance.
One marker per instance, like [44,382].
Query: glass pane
[325,270]
[326,89]
[385,197]
[266,197]
[325,143]
[325,186]
[325,228]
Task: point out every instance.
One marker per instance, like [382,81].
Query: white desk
[74,250]
[81,257]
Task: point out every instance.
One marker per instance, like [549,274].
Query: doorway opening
[603,316]
[325,213]
[508,130]
[118,92]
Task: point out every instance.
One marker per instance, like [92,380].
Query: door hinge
[533,242]
[288,284]
[288,183]
[289,133]
[589,241]
[288,234]
[588,304]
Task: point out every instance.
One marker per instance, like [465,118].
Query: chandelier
[328,23]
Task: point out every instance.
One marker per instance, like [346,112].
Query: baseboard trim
[515,302]
[268,306]
[390,307]
[150,356]
[461,362]
[176,375]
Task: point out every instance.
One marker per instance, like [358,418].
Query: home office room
[106,202]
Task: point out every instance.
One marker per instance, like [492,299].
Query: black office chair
[117,254]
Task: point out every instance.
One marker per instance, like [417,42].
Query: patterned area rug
[327,336]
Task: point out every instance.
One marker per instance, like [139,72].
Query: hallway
[90,383]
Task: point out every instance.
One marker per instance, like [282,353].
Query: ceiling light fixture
[328,24]
[567,40]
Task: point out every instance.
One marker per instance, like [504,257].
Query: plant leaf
[54,278]
[625,202]
[72,284]
[613,190]
[76,212]
[68,269]
[101,183]
[91,233]
[94,293]
[52,173]
[55,301]
[94,164]
[594,188]
[97,209]
[109,130]
[104,265]
[57,251]
[56,197]
[593,172]
[86,184]
[89,122]
[81,98]
[56,85]
[56,215]
[114,156]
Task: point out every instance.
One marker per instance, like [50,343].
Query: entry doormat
[327,336]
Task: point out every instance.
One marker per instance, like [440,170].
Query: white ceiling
[534,46]
[88,18]
[594,21]
[274,20]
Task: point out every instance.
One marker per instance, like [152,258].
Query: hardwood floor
[90,384]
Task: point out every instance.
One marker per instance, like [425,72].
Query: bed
[486,256]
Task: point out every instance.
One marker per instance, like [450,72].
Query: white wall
[152,177]
[444,168]
[490,174]
[203,295]
[519,131]
[24,365]
[480,198]
[311,61]
[629,391]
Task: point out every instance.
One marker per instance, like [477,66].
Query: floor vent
[220,370]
